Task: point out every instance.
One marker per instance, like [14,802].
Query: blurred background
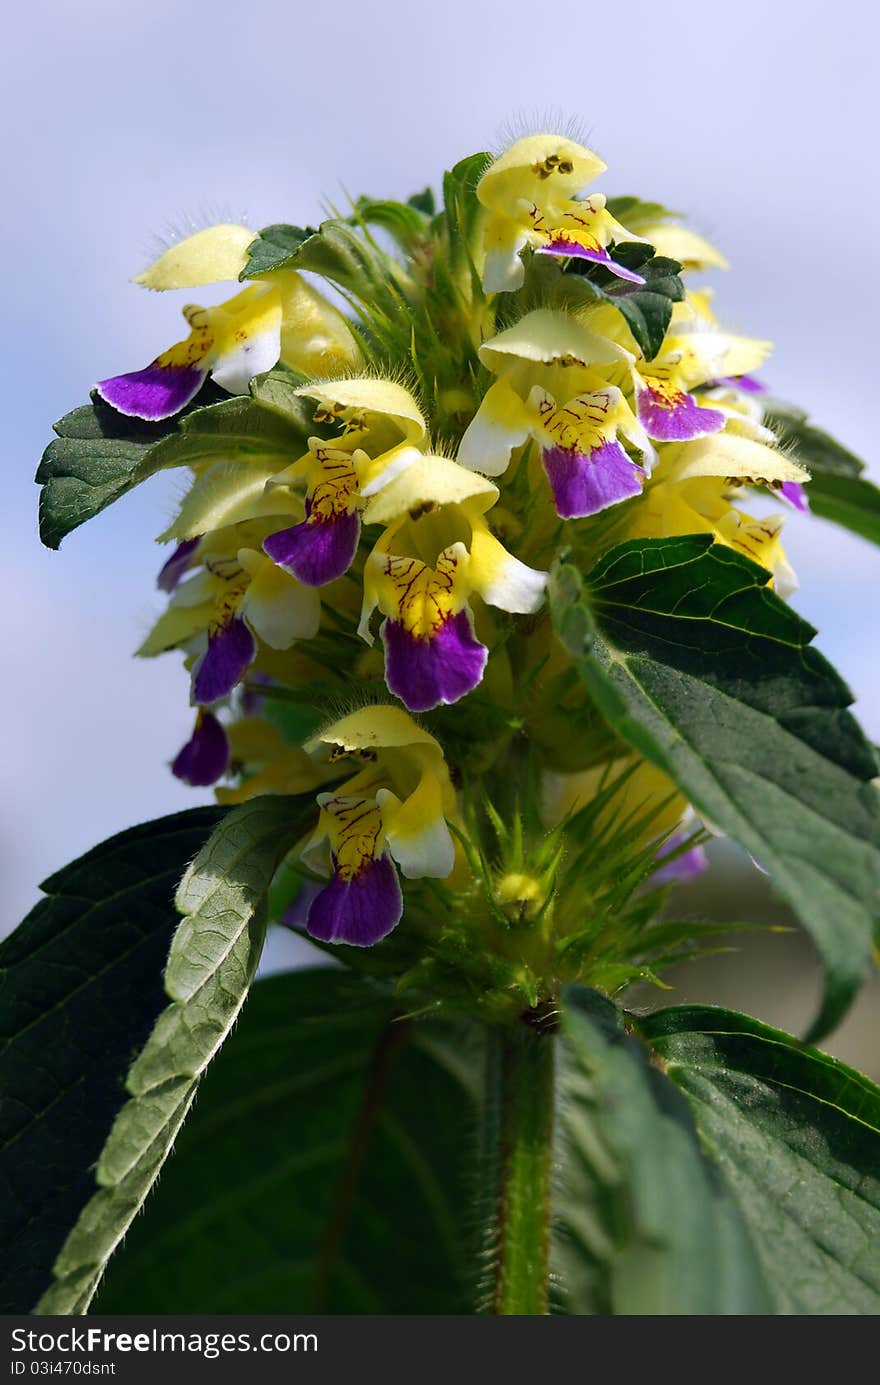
[129,125]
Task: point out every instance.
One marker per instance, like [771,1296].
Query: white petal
[278,609]
[501,423]
[501,579]
[417,836]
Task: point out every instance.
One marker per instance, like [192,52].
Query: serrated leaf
[80,988]
[210,969]
[837,490]
[277,390]
[240,429]
[274,248]
[796,1136]
[93,460]
[645,1224]
[99,455]
[326,1155]
[697,664]
[339,252]
[646,308]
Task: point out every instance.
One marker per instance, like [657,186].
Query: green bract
[486,630]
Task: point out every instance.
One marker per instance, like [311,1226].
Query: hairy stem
[518,1151]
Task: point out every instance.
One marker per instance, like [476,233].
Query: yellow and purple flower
[437,552]
[530,194]
[391,814]
[381,429]
[279,318]
[552,387]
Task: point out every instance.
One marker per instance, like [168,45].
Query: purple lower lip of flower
[583,484]
[231,649]
[157,392]
[425,672]
[172,571]
[574,251]
[316,552]
[796,496]
[205,757]
[359,911]
[676,417]
[743,382]
[687,866]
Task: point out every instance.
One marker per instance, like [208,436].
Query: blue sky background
[125,123]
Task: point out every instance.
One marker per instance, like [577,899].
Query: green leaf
[403,221]
[697,664]
[645,1223]
[93,460]
[796,1136]
[212,962]
[99,454]
[275,248]
[461,209]
[837,490]
[637,215]
[646,308]
[277,390]
[326,1156]
[849,501]
[815,448]
[424,201]
[338,251]
[80,987]
[241,428]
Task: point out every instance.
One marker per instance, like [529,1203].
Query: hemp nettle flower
[280,318]
[381,425]
[529,193]
[437,552]
[531,379]
[392,811]
[554,386]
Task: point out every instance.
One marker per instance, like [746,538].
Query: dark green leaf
[93,460]
[647,308]
[815,448]
[697,664]
[338,251]
[424,201]
[80,988]
[212,962]
[850,501]
[637,215]
[646,1225]
[796,1135]
[275,248]
[404,222]
[460,206]
[837,490]
[277,390]
[244,428]
[325,1156]
[99,454]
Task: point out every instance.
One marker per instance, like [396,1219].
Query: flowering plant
[479,583]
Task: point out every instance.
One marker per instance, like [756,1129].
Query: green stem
[519,1154]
